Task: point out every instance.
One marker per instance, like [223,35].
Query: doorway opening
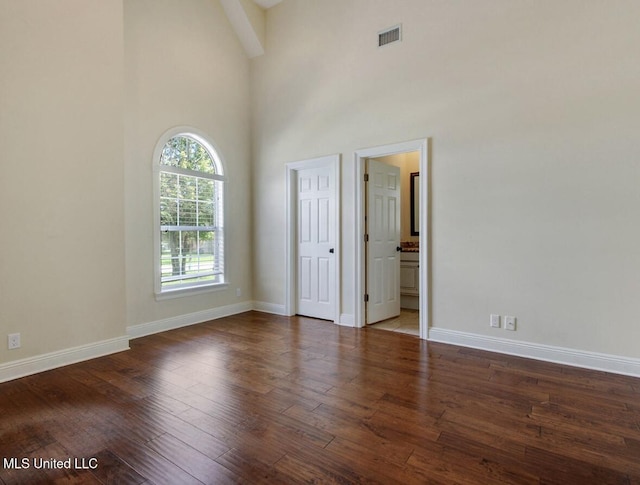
[407,262]
[407,322]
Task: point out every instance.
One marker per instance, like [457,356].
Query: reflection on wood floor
[408,322]
[264,399]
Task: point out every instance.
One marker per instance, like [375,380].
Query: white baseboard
[589,360]
[261,306]
[144,329]
[559,355]
[41,363]
[345,319]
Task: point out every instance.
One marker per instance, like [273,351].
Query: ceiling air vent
[388,36]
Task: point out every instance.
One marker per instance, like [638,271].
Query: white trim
[347,320]
[217,158]
[171,323]
[41,363]
[245,31]
[548,353]
[422,146]
[264,307]
[291,224]
[197,135]
[192,173]
[266,4]
[191,291]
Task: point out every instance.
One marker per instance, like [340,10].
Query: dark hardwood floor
[257,398]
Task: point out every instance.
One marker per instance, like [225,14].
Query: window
[190,215]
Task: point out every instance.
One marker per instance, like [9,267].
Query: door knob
[331,250]
[398,248]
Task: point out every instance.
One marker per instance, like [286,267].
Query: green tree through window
[191,215]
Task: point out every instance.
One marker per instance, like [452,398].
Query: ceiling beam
[267,3]
[247,19]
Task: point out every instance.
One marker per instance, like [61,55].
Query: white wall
[533,111]
[88,89]
[184,66]
[62,187]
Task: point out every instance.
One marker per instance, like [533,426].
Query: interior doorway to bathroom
[400,271]
[393,243]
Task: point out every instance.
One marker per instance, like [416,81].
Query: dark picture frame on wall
[415,203]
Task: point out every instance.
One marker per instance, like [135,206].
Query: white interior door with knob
[316,241]
[383,247]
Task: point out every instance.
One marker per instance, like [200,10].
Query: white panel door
[383,248]
[316,195]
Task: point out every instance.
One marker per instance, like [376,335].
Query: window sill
[194,290]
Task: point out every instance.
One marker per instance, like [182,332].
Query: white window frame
[199,287]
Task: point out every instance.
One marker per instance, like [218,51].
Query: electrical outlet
[238,292]
[494,321]
[509,323]
[13,341]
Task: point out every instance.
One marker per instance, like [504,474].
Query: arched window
[189,213]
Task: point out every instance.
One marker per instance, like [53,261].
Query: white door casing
[383,246]
[313,234]
[423,146]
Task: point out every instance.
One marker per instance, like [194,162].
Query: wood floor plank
[621,423]
[111,469]
[249,469]
[358,431]
[555,468]
[258,398]
[192,461]
[229,434]
[382,465]
[151,465]
[505,464]
[321,466]
[459,460]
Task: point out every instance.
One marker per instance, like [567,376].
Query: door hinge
[366,238]
[366,297]
[366,177]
